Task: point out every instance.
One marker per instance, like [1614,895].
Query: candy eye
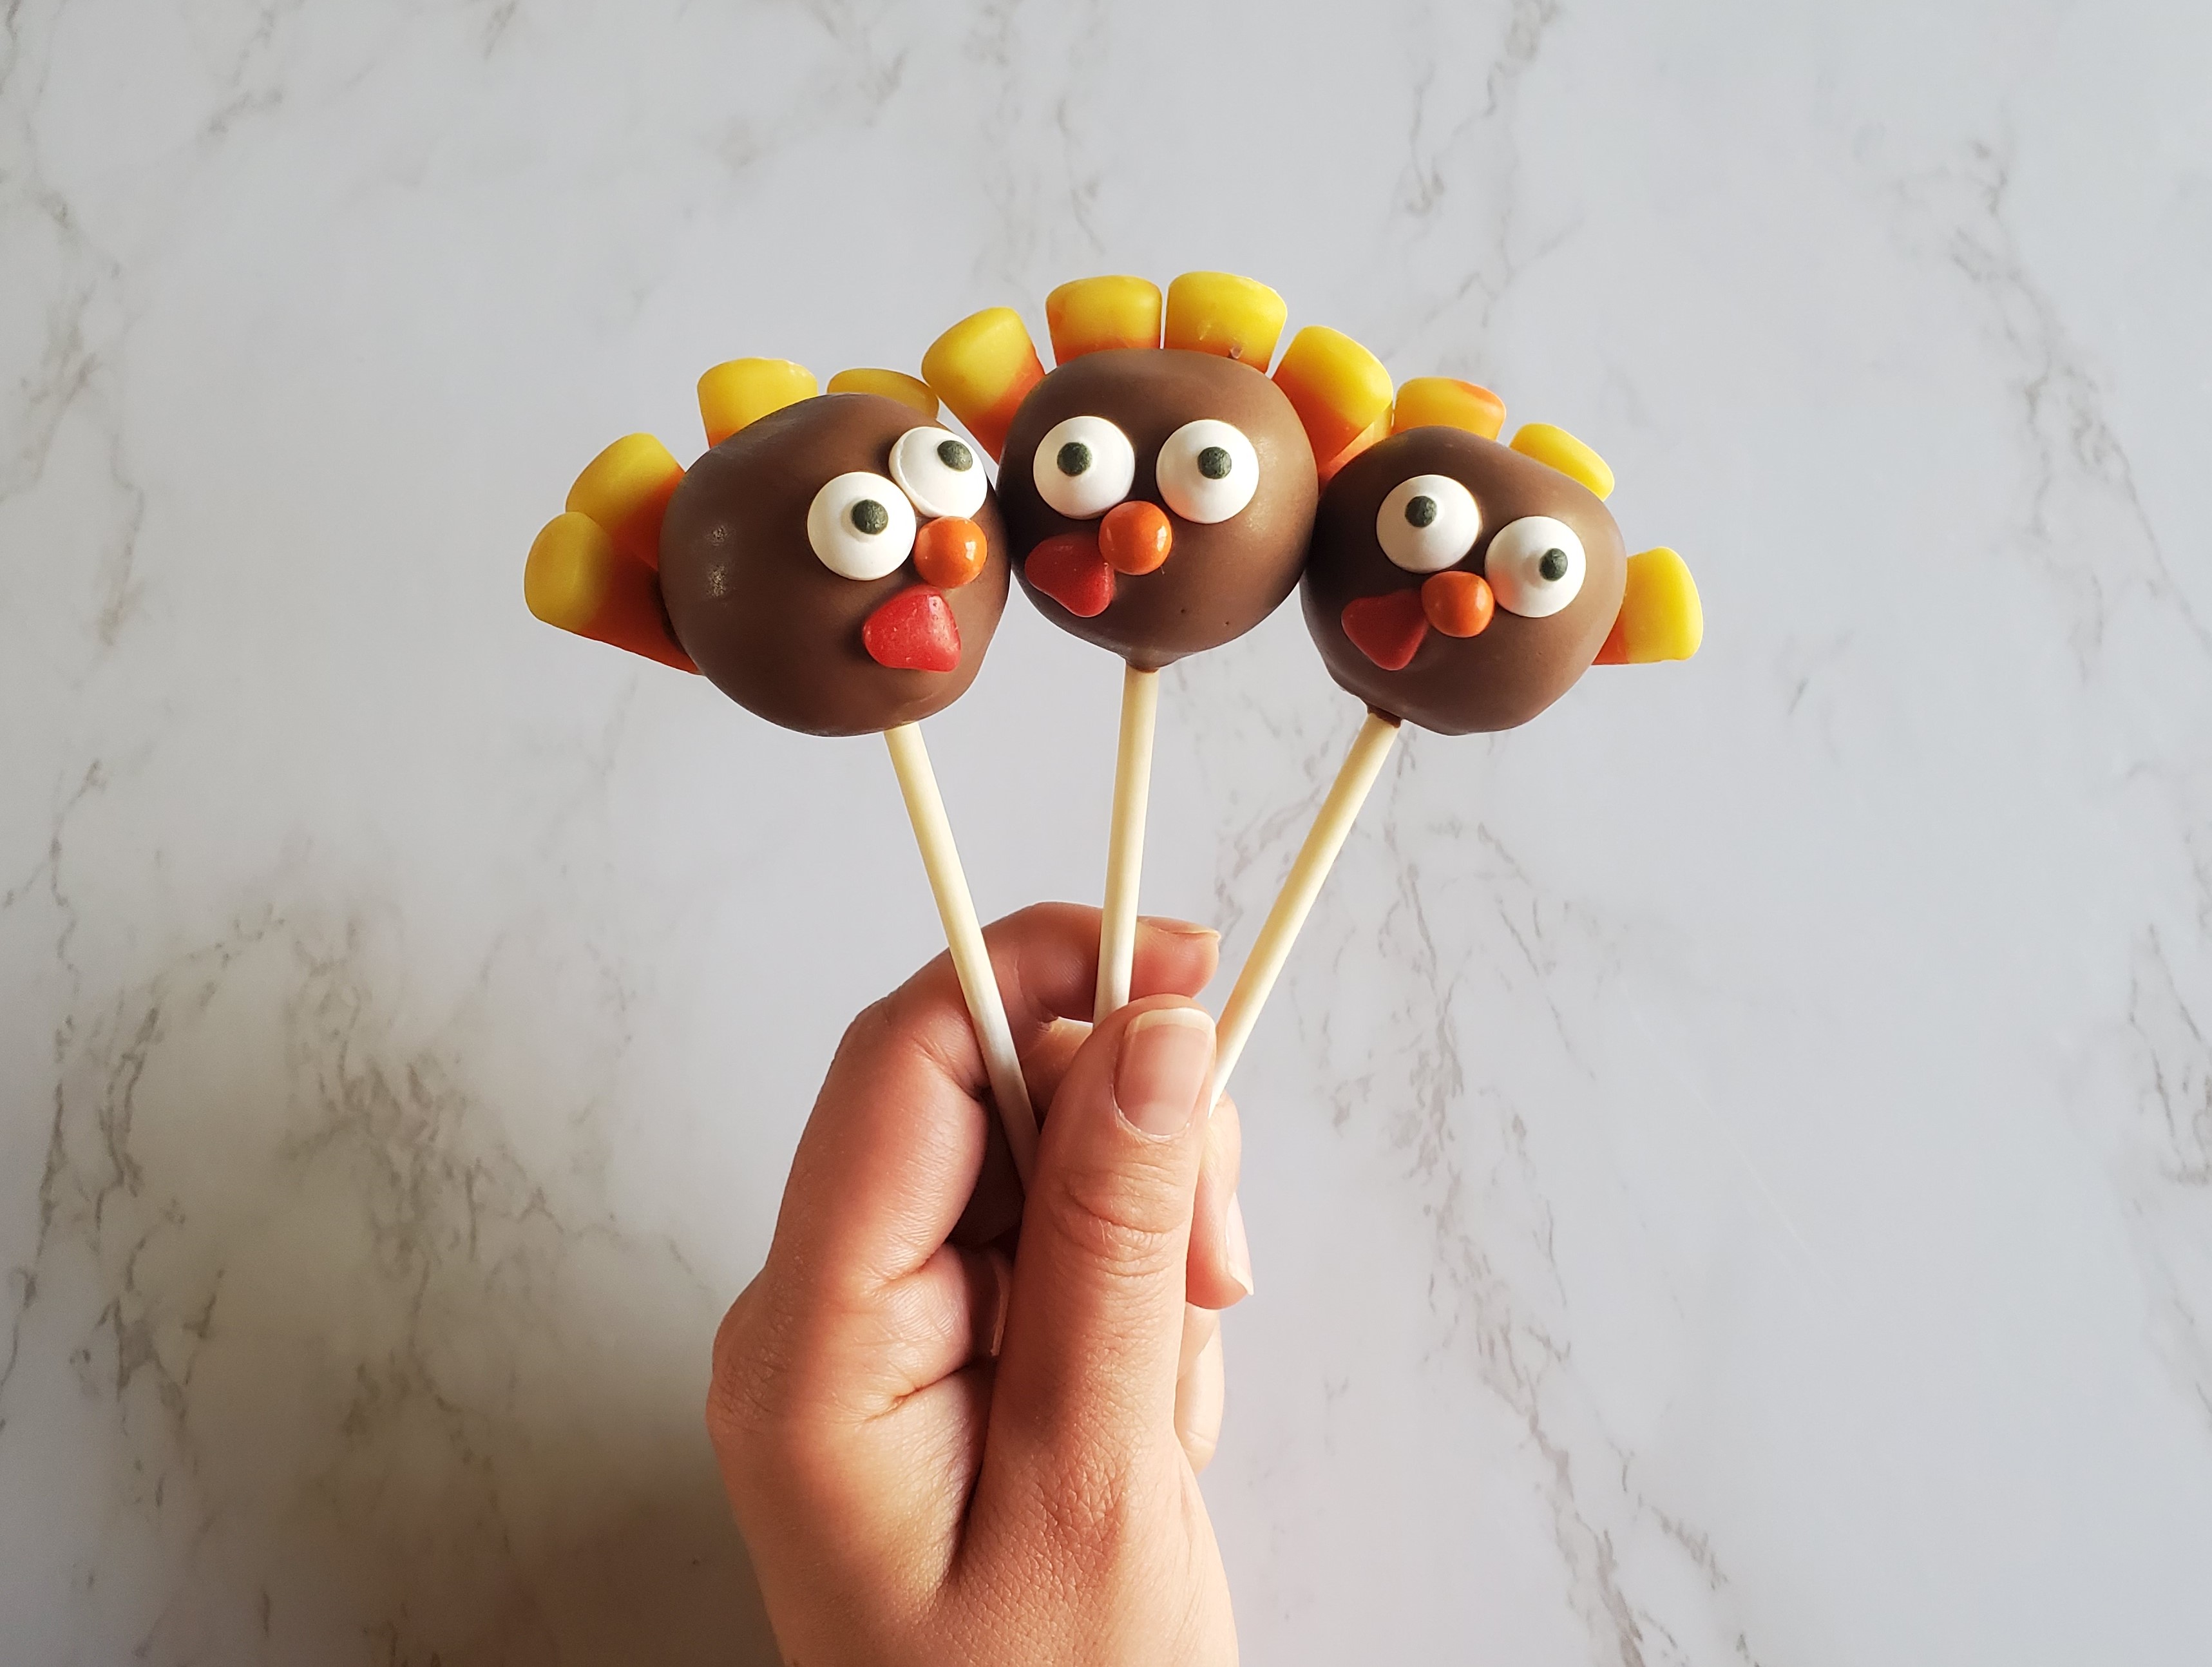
[1534,566]
[1427,523]
[939,472]
[1208,470]
[1084,467]
[862,526]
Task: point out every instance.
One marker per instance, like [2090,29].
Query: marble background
[1730,1170]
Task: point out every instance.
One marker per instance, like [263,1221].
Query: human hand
[941,1453]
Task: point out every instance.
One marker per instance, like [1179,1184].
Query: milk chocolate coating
[1219,580]
[770,626]
[1516,666]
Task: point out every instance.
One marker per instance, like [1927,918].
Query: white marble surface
[1730,1170]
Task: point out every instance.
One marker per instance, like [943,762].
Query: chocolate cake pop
[836,566]
[835,563]
[1461,585]
[1464,586]
[1158,487]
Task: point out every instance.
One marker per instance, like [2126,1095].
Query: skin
[941,1454]
[1517,667]
[770,626]
[1221,579]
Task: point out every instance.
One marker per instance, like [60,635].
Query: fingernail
[1236,1248]
[1166,1056]
[1175,928]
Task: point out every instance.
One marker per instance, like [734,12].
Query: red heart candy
[1386,629]
[914,631]
[1067,568]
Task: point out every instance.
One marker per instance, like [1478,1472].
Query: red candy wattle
[1069,569]
[914,631]
[1386,629]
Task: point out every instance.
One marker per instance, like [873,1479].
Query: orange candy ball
[1135,537]
[950,552]
[1458,604]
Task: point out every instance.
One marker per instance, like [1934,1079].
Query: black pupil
[1552,564]
[1213,462]
[871,517]
[1420,512]
[954,455]
[1074,457]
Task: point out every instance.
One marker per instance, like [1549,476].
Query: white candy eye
[1534,566]
[939,472]
[1208,470]
[862,526]
[1427,523]
[1084,467]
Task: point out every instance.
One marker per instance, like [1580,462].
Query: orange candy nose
[1135,537]
[1458,604]
[950,552]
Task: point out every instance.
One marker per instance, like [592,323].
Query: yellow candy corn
[626,488]
[1338,388]
[892,385]
[1661,617]
[981,367]
[1220,313]
[1565,453]
[1446,402]
[746,390]
[1091,314]
[576,579]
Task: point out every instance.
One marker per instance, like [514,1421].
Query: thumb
[1094,1327]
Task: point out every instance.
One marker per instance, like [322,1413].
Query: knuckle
[740,1395]
[1118,1222]
[754,1414]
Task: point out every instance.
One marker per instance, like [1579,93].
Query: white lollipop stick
[964,935]
[1125,844]
[1296,900]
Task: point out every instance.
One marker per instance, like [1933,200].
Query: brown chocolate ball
[766,619]
[1220,578]
[1515,665]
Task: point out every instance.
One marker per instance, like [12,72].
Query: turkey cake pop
[1461,585]
[836,563]
[1158,488]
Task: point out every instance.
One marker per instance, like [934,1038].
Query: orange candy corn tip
[626,488]
[577,579]
[1220,313]
[892,385]
[1429,401]
[1378,429]
[744,391]
[1338,388]
[1092,314]
[981,367]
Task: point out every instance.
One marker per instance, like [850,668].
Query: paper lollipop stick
[1159,490]
[1461,585]
[1354,780]
[964,935]
[1125,844]
[836,564]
